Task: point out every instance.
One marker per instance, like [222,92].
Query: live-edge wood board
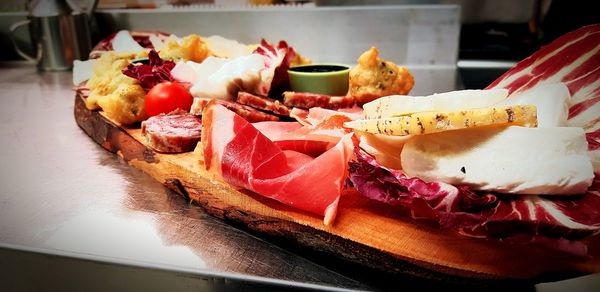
[364,232]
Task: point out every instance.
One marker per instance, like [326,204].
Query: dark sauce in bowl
[319,68]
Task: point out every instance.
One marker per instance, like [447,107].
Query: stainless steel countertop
[63,194]
[73,213]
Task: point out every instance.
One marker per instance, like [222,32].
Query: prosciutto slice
[319,131]
[246,158]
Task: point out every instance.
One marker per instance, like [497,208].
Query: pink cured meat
[293,136]
[322,133]
[262,103]
[309,100]
[175,132]
[246,158]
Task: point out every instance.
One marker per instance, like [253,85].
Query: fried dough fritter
[374,77]
[189,48]
[121,97]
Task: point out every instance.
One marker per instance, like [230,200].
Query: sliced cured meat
[244,157]
[319,131]
[263,103]
[250,114]
[175,132]
[294,136]
[309,100]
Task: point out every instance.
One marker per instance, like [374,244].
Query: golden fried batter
[373,78]
[121,97]
[190,48]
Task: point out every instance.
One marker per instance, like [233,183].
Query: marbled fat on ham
[244,157]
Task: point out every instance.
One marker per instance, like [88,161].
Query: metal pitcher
[59,34]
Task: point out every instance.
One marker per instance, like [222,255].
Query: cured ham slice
[249,113]
[263,103]
[309,100]
[320,130]
[244,157]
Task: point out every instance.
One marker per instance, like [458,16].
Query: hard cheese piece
[400,105]
[512,159]
[433,122]
[551,100]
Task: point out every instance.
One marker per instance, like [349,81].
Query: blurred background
[447,43]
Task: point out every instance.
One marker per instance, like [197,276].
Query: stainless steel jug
[58,33]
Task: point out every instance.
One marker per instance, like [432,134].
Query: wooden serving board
[364,232]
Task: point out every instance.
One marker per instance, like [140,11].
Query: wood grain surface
[365,232]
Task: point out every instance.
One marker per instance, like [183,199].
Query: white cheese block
[551,100]
[516,160]
[385,148]
[399,105]
[124,42]
[221,78]
[226,48]
[82,70]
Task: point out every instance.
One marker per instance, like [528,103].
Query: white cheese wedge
[82,70]
[514,159]
[399,105]
[226,48]
[551,100]
[124,42]
[221,78]
[385,149]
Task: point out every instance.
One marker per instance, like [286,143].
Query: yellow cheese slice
[433,122]
[401,105]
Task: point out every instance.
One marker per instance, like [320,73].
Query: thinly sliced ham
[320,131]
[244,157]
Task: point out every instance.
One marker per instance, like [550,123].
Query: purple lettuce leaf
[557,221]
[279,59]
[156,71]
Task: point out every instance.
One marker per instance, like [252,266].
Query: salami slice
[308,100]
[252,115]
[175,132]
[263,103]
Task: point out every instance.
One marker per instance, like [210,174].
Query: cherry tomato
[167,96]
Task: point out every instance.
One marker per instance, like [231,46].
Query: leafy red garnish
[278,59]
[156,71]
[557,222]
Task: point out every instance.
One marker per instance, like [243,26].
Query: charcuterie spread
[512,166]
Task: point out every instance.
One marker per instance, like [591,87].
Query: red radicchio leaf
[573,59]
[156,71]
[280,58]
[482,214]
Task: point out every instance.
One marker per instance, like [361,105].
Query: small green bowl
[331,79]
